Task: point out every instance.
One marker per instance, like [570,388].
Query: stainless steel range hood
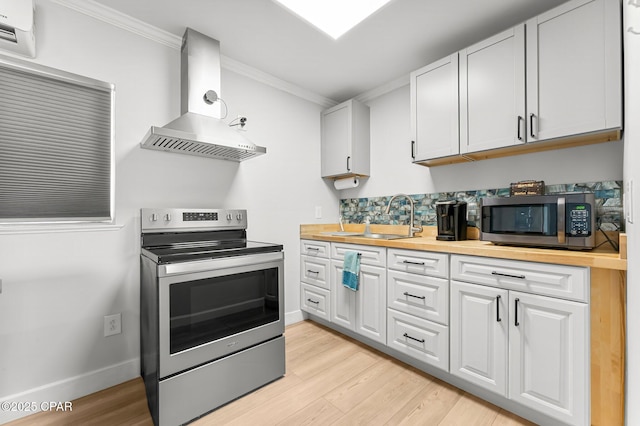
[199,130]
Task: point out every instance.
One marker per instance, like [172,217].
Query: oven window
[209,309]
[536,219]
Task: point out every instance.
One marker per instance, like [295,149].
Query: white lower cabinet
[418,305]
[314,278]
[423,340]
[479,335]
[362,311]
[514,328]
[549,356]
[315,300]
[530,348]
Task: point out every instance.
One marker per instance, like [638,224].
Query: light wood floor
[330,380]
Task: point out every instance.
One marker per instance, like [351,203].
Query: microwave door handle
[561,220]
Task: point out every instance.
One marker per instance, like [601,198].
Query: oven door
[212,308]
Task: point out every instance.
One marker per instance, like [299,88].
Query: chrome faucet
[412,228]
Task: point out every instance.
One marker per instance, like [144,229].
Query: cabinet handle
[409,262]
[313,301]
[348,164]
[520,277]
[313,248]
[413,149]
[520,120]
[531,125]
[406,293]
[517,303]
[498,319]
[413,338]
[312,272]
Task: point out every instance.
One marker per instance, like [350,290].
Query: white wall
[632,173]
[58,286]
[392,171]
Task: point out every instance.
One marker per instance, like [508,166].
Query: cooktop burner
[181,235]
[181,252]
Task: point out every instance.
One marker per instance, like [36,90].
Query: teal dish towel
[351,270]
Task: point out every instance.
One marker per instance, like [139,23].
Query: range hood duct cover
[199,131]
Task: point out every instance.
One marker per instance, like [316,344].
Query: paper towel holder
[346,183]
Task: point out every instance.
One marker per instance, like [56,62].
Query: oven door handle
[219,263]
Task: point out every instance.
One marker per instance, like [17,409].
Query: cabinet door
[574,69]
[479,334]
[336,140]
[371,303]
[345,138]
[343,300]
[492,92]
[434,110]
[549,356]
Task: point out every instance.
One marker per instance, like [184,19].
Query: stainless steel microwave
[562,220]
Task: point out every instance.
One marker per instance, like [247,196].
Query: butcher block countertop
[603,257]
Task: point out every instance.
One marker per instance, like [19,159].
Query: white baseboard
[293,317]
[71,388]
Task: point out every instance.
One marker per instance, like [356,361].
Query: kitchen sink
[384,236]
[362,235]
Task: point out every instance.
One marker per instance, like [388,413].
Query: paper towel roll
[347,183]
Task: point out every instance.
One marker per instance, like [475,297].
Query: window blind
[56,146]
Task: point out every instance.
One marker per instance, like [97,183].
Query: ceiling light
[334,17]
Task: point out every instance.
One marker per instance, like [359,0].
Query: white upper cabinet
[434,110]
[492,92]
[574,70]
[345,140]
[557,77]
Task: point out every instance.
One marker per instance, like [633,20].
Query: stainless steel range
[211,311]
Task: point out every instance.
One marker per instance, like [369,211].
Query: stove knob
[229,216]
[239,216]
[167,217]
[154,217]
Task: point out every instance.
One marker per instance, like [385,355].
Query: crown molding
[141,28]
[120,20]
[268,79]
[376,92]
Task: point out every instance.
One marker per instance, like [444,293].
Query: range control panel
[161,220]
[191,216]
[578,219]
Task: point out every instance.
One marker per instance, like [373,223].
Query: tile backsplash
[354,210]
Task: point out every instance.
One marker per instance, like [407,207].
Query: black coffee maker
[452,220]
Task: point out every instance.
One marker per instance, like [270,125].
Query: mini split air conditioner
[17,27]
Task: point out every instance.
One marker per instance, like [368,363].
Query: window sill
[49,228]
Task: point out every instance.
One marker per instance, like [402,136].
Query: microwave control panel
[578,219]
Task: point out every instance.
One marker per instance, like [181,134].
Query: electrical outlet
[112,324]
[318,212]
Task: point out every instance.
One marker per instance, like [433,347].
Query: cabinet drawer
[420,339]
[315,301]
[424,297]
[369,255]
[419,262]
[566,282]
[314,248]
[315,271]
